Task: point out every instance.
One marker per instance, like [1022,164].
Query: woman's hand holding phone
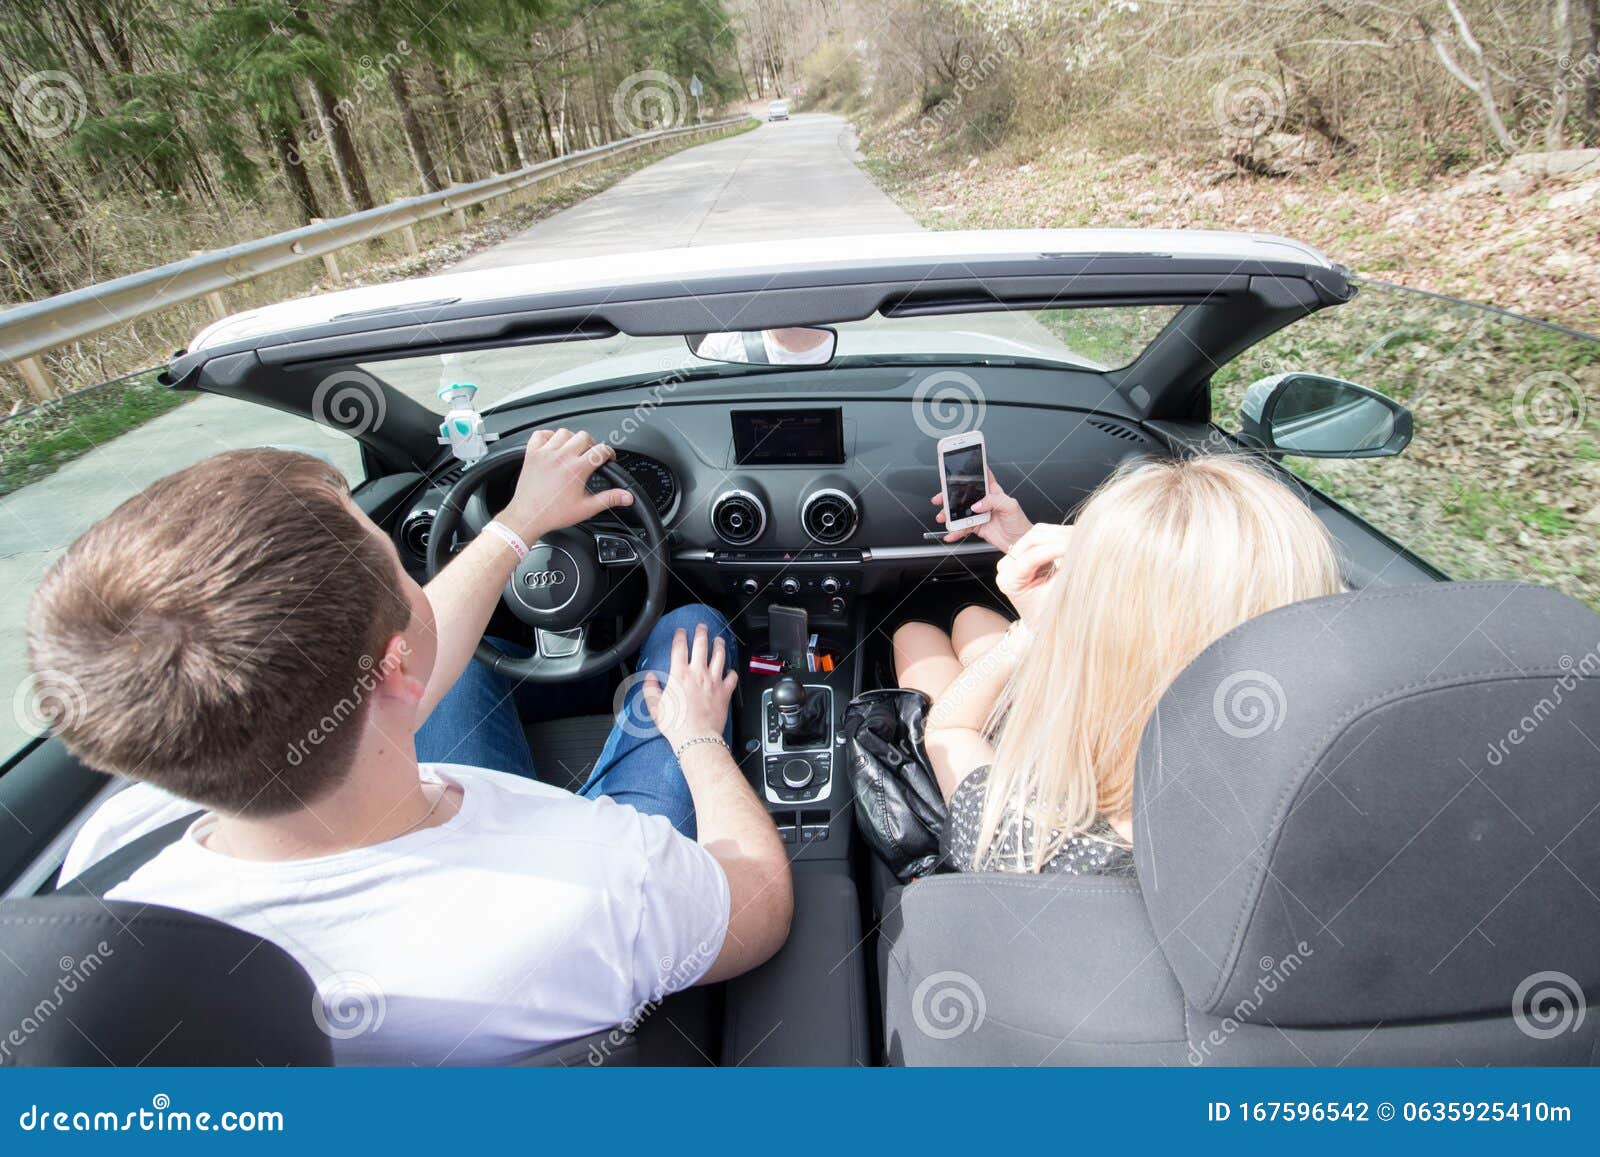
[1006,524]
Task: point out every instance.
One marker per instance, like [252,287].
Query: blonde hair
[1167,556]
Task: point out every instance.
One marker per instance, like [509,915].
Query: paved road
[795,179]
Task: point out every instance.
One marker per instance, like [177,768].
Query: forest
[136,131]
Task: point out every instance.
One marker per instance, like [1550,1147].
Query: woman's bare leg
[975,631]
[924,659]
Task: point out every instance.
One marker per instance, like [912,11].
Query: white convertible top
[684,263]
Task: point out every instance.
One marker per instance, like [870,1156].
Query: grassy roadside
[34,443]
[1502,479]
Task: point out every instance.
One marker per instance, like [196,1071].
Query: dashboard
[655,478]
[813,499]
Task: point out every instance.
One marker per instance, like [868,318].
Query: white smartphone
[964,478]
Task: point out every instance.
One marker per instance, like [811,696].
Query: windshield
[1094,338]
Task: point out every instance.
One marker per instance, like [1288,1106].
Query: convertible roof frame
[1238,289]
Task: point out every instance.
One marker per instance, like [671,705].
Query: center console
[788,733]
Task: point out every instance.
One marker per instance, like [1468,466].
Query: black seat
[104,982]
[1367,831]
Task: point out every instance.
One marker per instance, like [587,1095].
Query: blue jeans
[477,724]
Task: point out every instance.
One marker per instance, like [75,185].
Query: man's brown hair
[216,635]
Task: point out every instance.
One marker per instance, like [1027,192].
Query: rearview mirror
[1312,416]
[792,345]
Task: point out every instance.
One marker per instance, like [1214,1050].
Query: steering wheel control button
[615,549]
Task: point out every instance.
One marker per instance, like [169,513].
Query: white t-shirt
[531,916]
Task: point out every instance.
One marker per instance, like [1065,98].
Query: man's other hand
[552,490]
[694,703]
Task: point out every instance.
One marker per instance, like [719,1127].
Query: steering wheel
[563,579]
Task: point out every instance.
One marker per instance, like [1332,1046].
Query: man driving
[242,641]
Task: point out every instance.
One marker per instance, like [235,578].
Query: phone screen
[964,481]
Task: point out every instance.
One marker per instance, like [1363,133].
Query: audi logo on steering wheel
[538,579]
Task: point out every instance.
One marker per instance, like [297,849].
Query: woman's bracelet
[688,743]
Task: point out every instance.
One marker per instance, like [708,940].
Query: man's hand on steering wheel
[552,492]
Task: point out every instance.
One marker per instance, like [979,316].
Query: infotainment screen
[788,437]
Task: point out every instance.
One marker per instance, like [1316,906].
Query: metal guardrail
[37,327]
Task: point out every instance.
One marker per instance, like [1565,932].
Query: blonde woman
[1035,725]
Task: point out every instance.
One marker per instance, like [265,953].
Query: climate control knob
[797,773]
[790,586]
[830,585]
[750,587]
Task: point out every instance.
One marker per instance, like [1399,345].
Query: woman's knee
[915,641]
[975,630]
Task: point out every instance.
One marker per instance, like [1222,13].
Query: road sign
[696,89]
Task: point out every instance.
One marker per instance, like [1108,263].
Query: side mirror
[792,345]
[1312,416]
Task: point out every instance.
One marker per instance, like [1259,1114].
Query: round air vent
[830,516]
[414,532]
[738,517]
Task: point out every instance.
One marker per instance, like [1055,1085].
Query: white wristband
[511,537]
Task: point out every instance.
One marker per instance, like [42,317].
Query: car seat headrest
[1381,805]
[107,982]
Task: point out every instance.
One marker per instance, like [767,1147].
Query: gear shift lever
[801,718]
